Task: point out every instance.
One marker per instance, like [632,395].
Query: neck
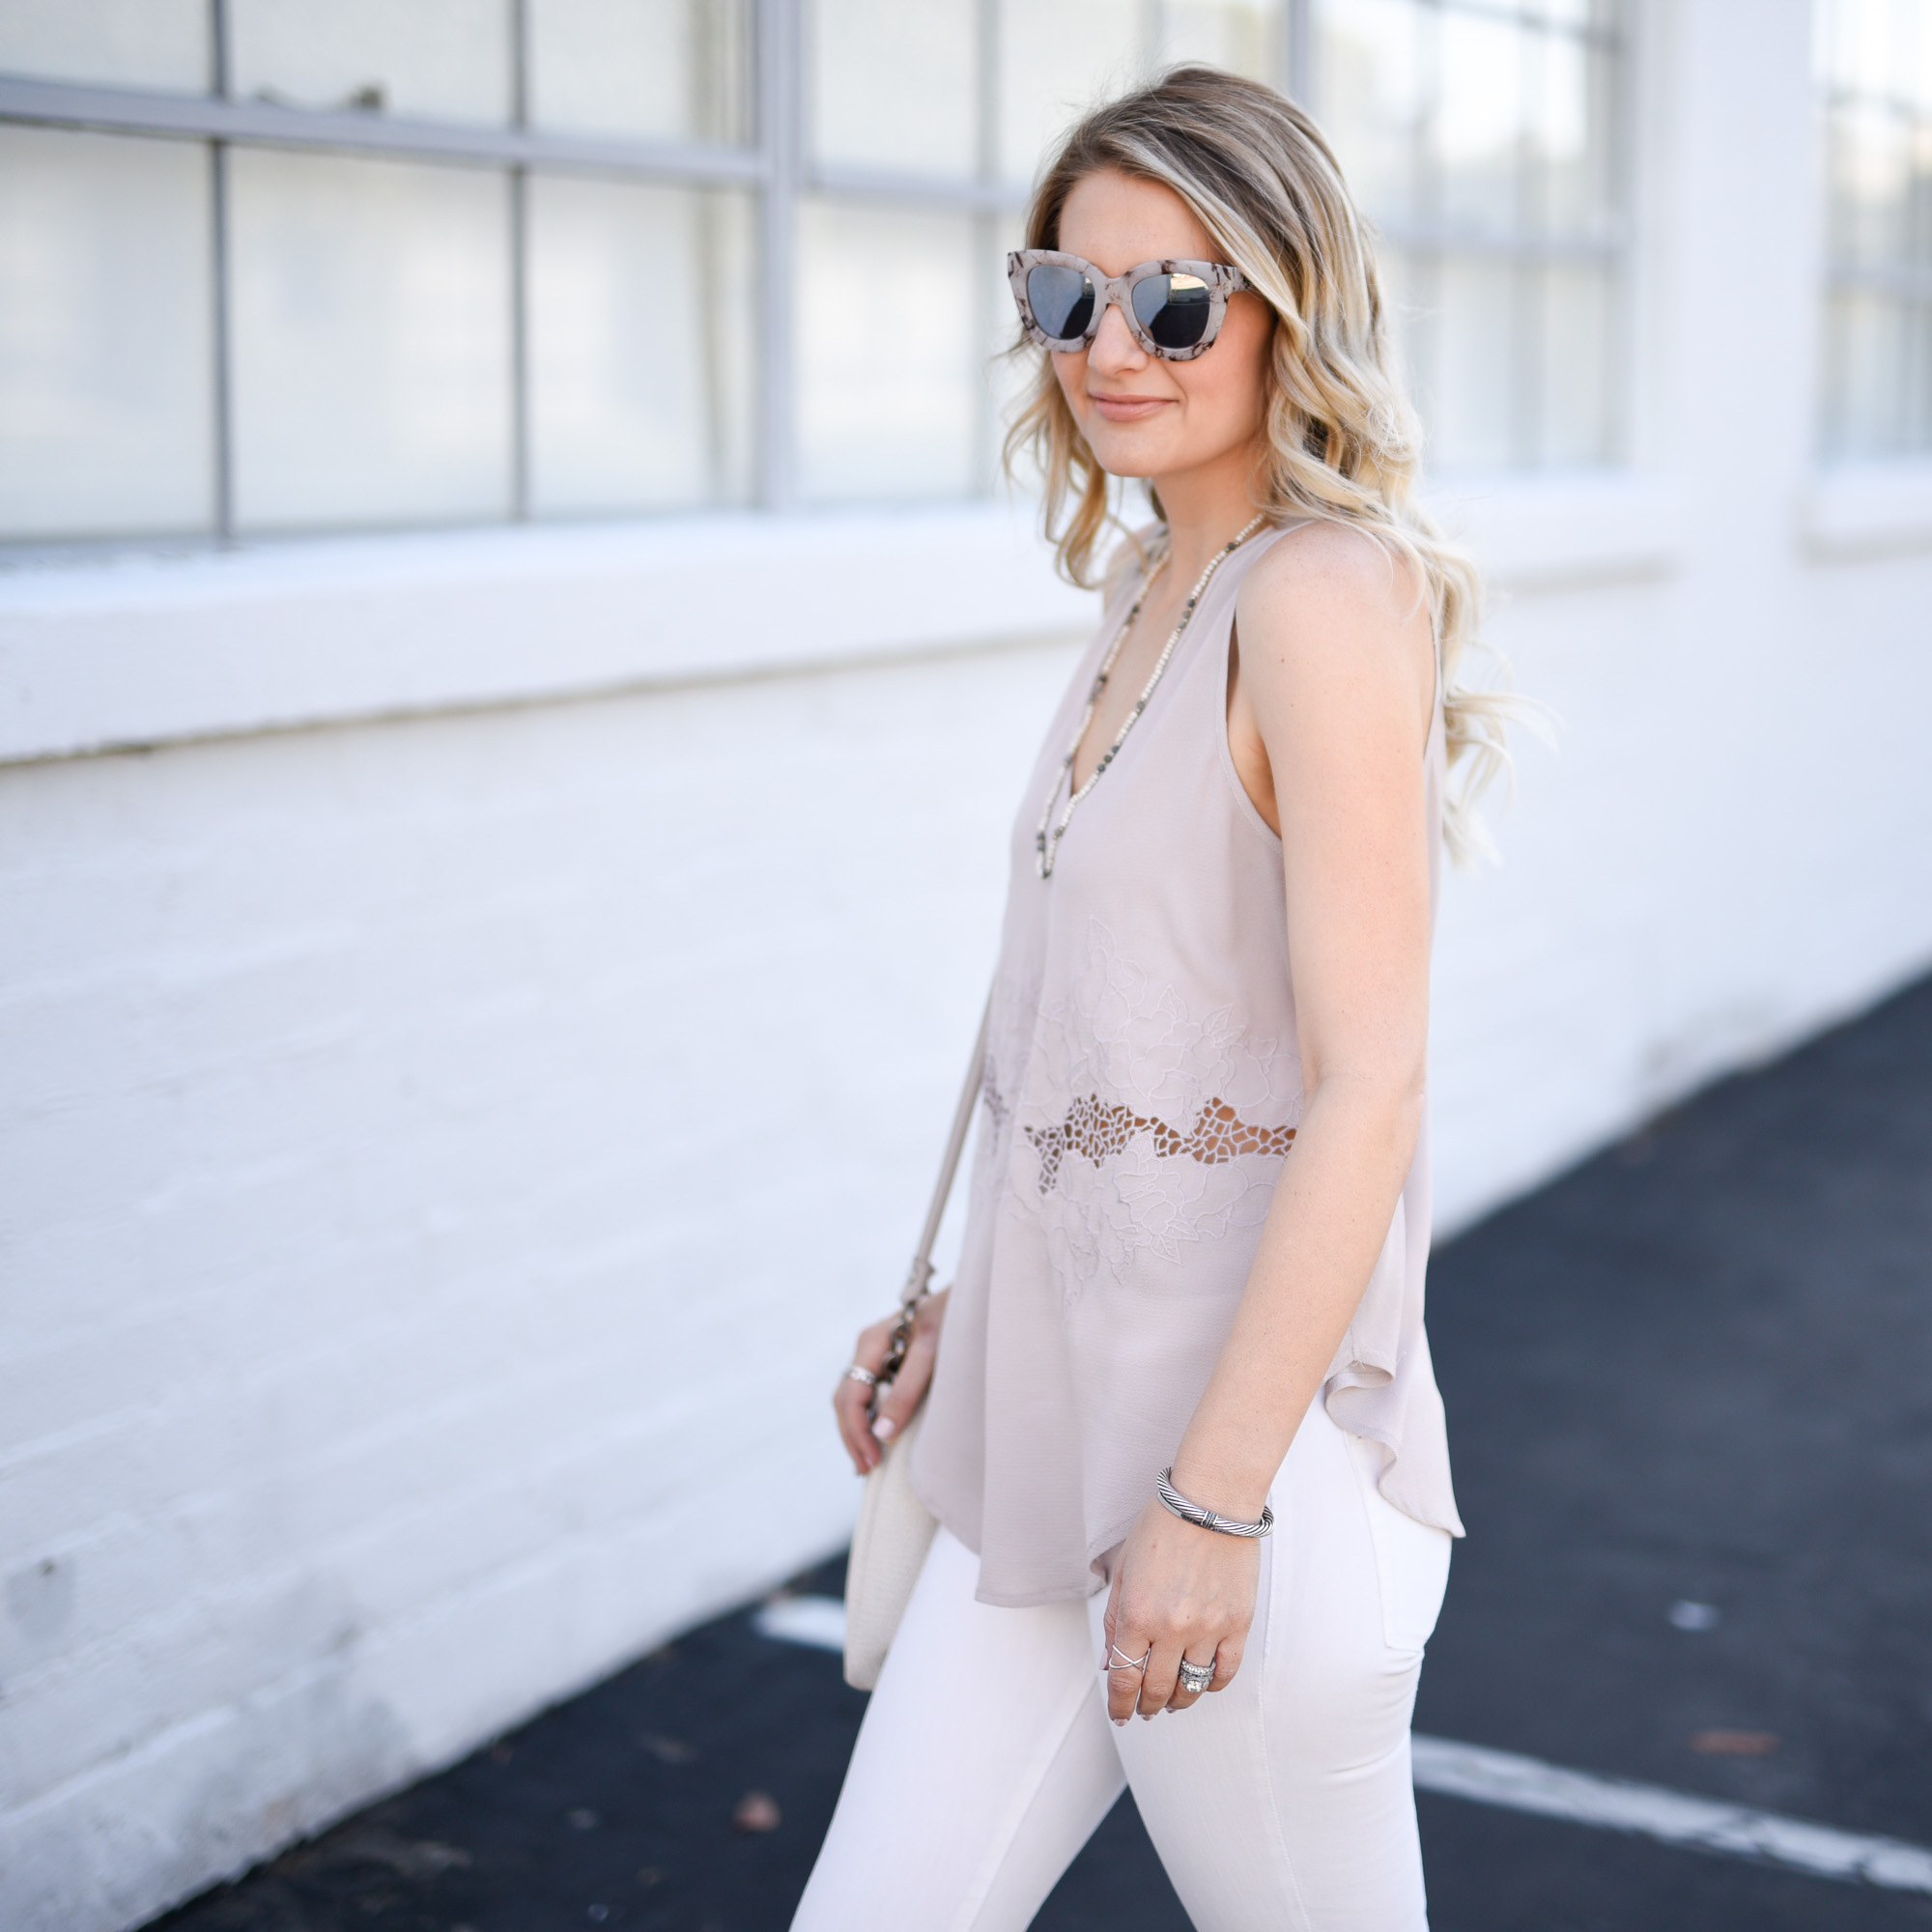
[1204,508]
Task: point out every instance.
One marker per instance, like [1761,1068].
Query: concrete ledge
[128,652]
[1568,528]
[1870,510]
[147,650]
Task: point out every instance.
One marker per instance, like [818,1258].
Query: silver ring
[1196,1677]
[1119,1659]
[855,1374]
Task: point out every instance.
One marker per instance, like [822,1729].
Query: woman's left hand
[1178,1592]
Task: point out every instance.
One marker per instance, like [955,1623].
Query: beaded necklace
[1046,841]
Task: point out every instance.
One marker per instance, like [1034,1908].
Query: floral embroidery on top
[1098,1129]
[1164,1102]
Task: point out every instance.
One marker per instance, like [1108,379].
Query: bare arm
[1333,699]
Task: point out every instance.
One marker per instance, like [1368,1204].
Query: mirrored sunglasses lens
[1173,309]
[1062,301]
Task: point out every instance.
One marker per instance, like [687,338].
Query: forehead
[1118,222]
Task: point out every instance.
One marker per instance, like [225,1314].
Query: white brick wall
[443,1160]
[444,1163]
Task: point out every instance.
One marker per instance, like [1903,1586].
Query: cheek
[1227,397]
[1071,372]
[1229,383]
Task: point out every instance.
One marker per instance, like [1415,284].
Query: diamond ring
[855,1374]
[1196,1677]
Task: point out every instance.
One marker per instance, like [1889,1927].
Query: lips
[1128,408]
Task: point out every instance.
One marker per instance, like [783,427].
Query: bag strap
[918,1282]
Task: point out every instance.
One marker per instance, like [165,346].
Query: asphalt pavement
[1689,1389]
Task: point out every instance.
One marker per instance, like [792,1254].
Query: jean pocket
[1411,1558]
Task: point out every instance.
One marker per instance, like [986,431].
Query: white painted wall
[464,1075]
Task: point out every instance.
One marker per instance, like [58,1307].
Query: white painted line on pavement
[816,1621]
[1675,1818]
[1547,1791]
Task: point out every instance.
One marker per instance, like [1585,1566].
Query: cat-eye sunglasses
[1173,309]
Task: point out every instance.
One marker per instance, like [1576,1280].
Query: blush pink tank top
[1141,1092]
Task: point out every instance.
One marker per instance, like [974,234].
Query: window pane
[371,346]
[120,43]
[1243,37]
[1876,391]
[1867,359]
[1871,164]
[1058,58]
[891,385]
[105,357]
[896,86]
[1598,14]
[1569,135]
[443,59]
[1478,121]
[1478,135]
[653,70]
[1574,421]
[1371,99]
[1859,45]
[1472,403]
[640,316]
[1913,70]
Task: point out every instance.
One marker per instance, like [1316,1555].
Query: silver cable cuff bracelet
[1206,1518]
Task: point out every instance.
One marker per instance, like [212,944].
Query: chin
[1118,456]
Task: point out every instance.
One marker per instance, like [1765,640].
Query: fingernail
[1120,1723]
[885,1428]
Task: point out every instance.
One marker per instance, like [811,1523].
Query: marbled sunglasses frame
[1220,280]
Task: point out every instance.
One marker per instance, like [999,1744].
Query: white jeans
[986,1758]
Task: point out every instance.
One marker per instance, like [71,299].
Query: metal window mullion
[1626,354]
[518,291]
[264,124]
[1297,53]
[222,429]
[778,56]
[984,283]
[1527,219]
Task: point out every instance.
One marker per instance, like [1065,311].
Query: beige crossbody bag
[894,1528]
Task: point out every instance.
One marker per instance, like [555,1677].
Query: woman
[1189,1305]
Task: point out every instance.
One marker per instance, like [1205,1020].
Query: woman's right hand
[864,1429]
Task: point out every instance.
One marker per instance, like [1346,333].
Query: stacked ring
[855,1374]
[1195,1678]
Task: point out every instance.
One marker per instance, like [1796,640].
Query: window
[279,265]
[1482,139]
[1876,57]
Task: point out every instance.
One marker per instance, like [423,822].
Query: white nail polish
[885,1428]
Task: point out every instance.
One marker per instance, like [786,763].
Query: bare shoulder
[1325,590]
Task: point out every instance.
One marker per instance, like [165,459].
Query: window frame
[771,163]
[1430,243]
[774,164]
[1904,282]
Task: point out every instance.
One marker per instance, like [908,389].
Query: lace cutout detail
[1159,1095]
[1099,1128]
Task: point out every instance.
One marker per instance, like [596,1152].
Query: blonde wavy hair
[1342,440]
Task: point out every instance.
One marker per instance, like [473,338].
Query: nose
[1113,346]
